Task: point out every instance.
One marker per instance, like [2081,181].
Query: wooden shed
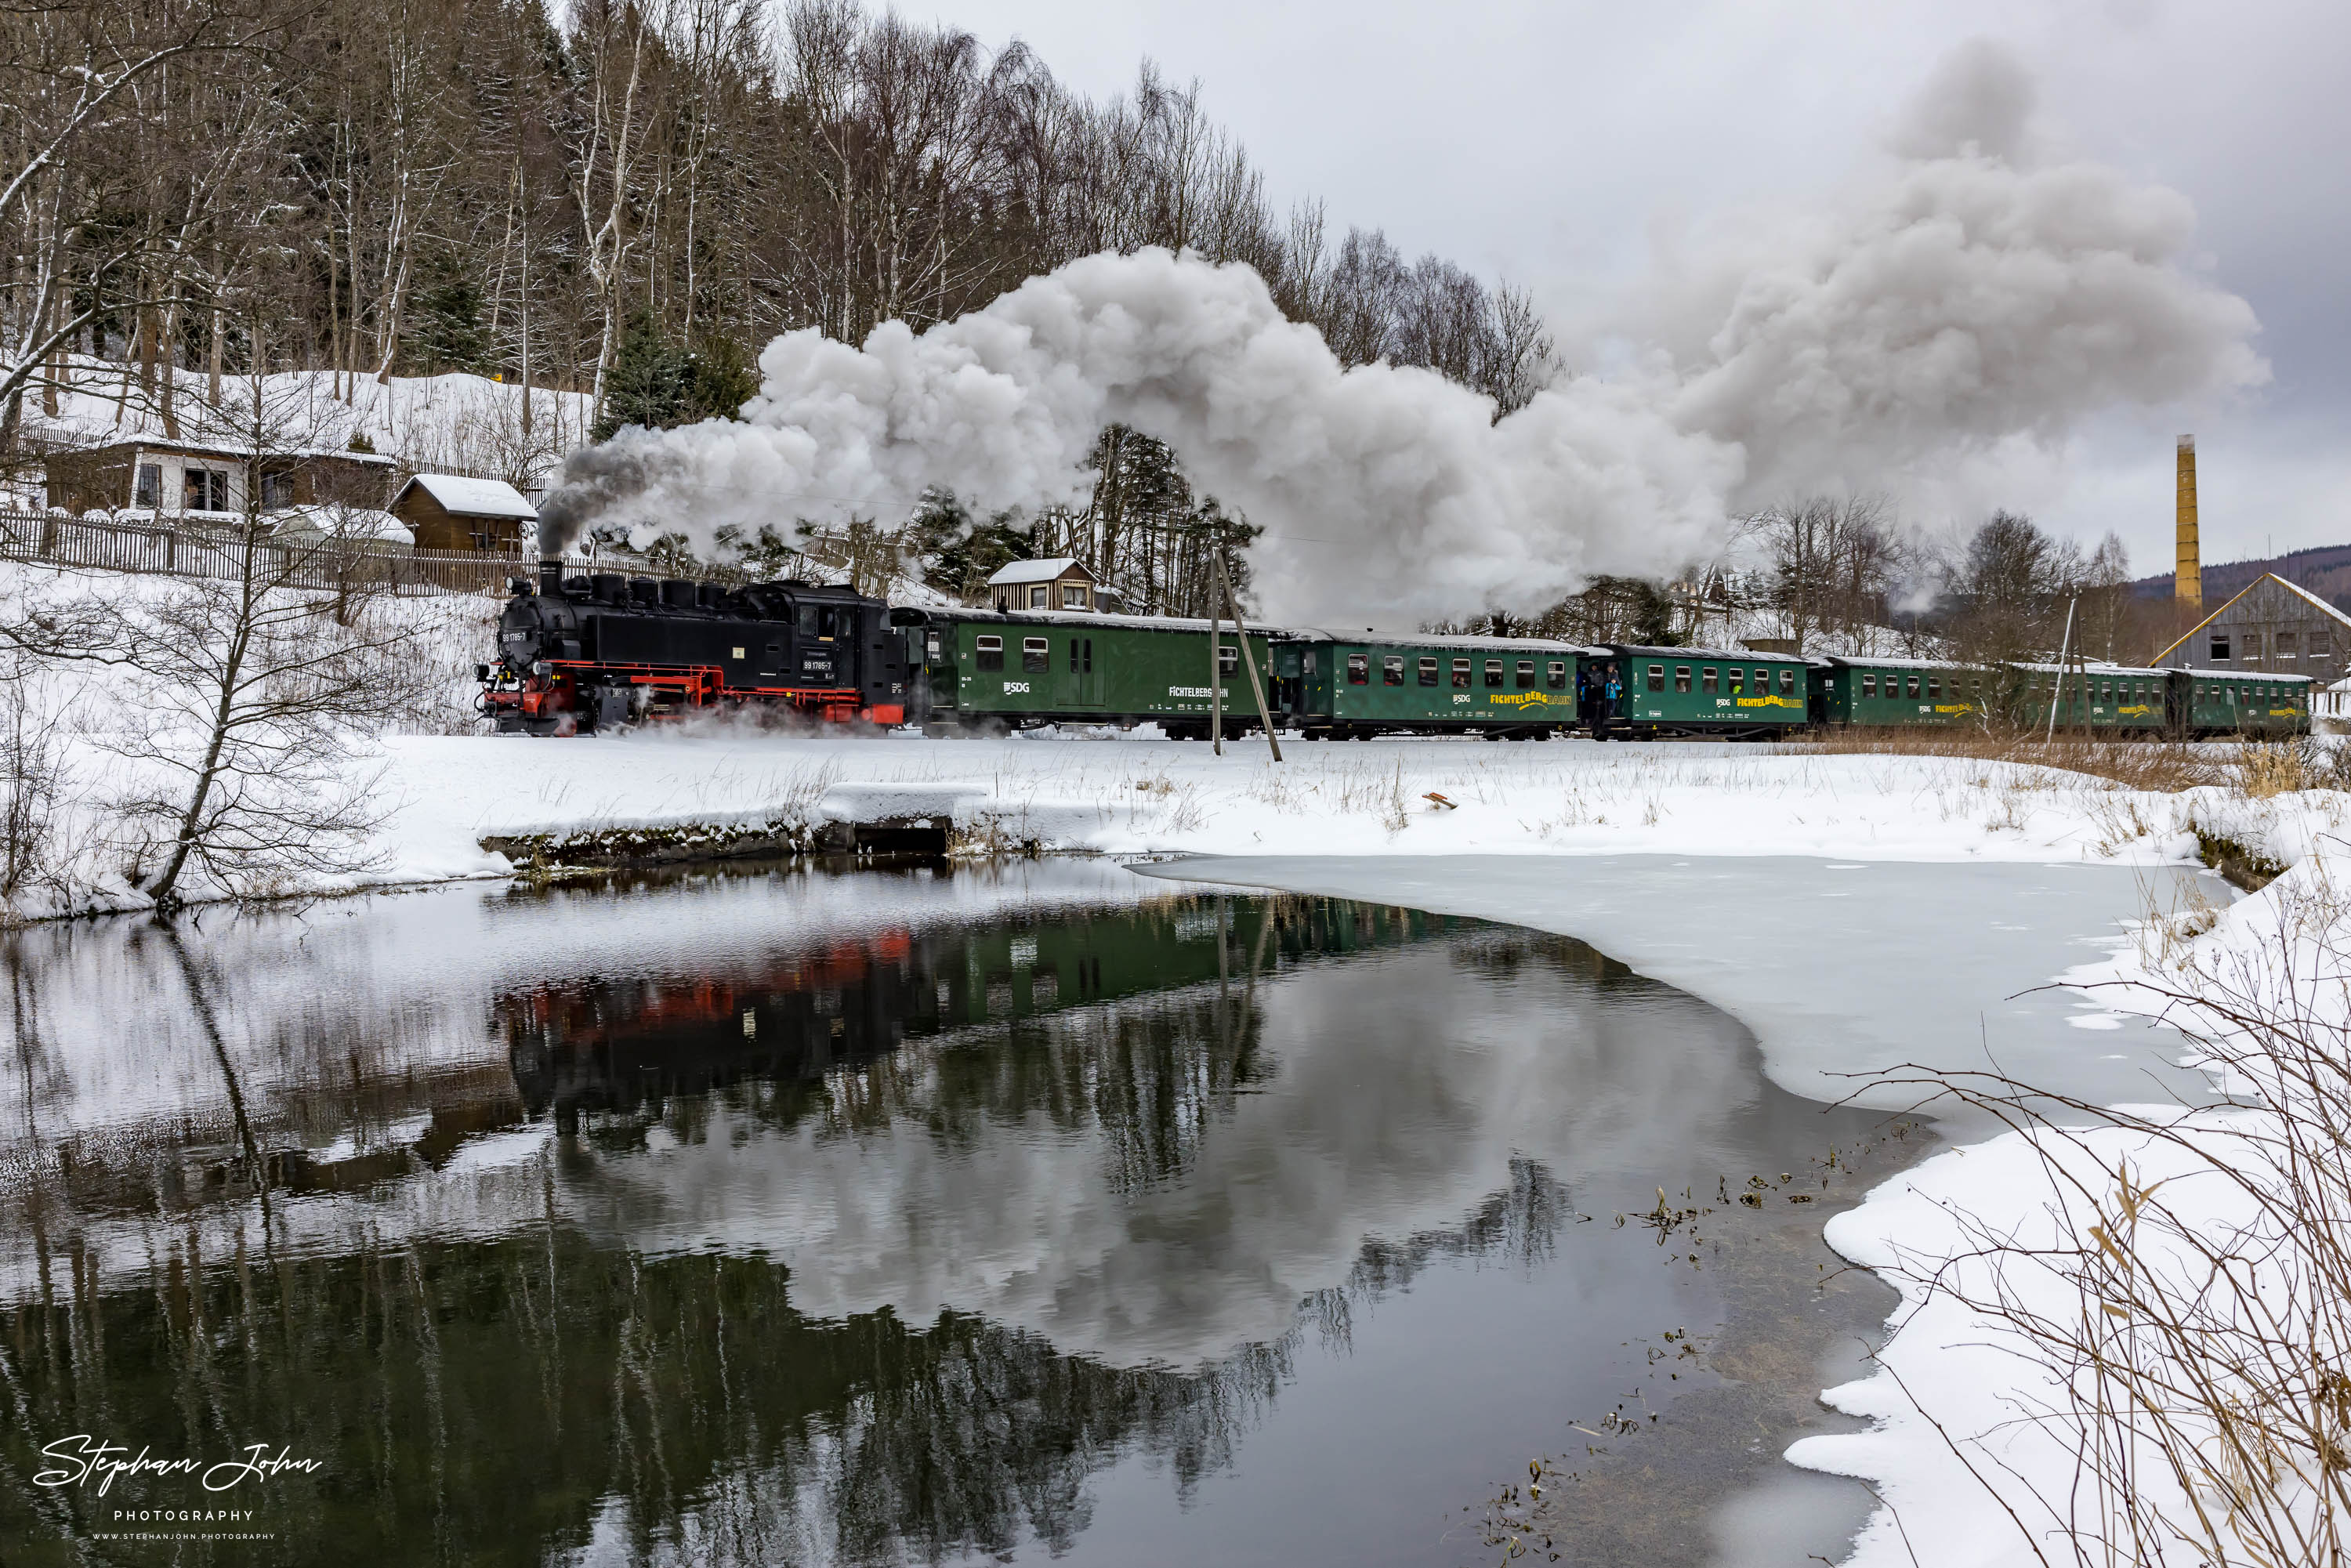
[1057,582]
[2272,627]
[448,511]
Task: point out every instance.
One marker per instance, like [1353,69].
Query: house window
[990,655]
[1359,671]
[1557,676]
[277,490]
[147,489]
[2286,645]
[1526,675]
[1493,672]
[1035,655]
[1074,597]
[205,490]
[1040,598]
[2219,644]
[1392,671]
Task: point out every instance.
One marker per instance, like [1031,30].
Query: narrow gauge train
[578,654]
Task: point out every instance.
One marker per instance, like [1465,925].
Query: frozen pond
[1839,967]
[1045,1211]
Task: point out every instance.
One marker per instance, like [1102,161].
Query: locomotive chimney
[550,578]
[2188,577]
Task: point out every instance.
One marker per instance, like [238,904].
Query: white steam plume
[1966,297]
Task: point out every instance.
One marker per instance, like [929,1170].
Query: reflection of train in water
[580,654]
[627,1045]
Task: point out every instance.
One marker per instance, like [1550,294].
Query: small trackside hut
[1725,694]
[985,670]
[1337,687]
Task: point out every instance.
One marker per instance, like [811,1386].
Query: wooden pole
[1216,681]
[1256,687]
[2064,647]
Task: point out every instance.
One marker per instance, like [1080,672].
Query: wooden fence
[189,548]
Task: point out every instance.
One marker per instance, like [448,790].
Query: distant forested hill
[2325,570]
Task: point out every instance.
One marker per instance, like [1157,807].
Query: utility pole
[1215,679]
[1256,687]
[2064,647]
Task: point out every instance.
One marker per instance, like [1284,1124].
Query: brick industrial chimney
[2188,578]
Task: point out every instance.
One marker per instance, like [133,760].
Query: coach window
[1461,674]
[1359,670]
[991,653]
[1089,665]
[1709,680]
[1657,677]
[931,645]
[1788,681]
[1868,683]
[1429,672]
[1392,671]
[1073,655]
[1734,681]
[1556,677]
[1934,688]
[1526,675]
[1493,672]
[1910,685]
[1681,678]
[1036,656]
[1228,660]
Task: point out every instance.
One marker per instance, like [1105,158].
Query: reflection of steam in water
[540,1393]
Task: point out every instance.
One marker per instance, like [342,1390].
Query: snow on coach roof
[1021,571]
[472,497]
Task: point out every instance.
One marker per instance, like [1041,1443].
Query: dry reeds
[2197,1330]
[2262,768]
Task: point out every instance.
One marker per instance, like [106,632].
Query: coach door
[1083,679]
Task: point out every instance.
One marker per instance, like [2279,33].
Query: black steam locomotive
[580,654]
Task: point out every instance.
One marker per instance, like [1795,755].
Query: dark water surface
[1039,1211]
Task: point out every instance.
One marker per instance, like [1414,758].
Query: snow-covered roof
[2095,667]
[1631,650]
[1046,571]
[1431,640]
[470,498]
[1872,660]
[341,522]
[2243,675]
[1076,618]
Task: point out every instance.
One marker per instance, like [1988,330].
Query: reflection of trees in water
[501,1399]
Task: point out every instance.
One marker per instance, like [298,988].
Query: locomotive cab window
[1681,678]
[1392,671]
[1035,655]
[1526,675]
[1359,670]
[1493,672]
[1429,672]
[931,644]
[1557,676]
[988,653]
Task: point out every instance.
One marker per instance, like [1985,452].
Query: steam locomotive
[576,655]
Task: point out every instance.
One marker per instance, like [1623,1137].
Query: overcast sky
[1550,143]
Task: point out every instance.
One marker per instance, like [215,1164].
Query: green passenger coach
[1696,691]
[1904,693]
[2239,701]
[1341,688]
[979,670]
